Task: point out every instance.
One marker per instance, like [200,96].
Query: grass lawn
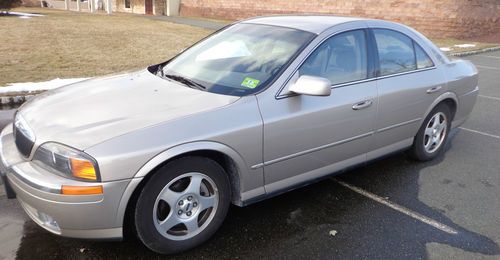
[65,44]
[71,44]
[450,43]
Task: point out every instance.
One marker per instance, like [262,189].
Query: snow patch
[38,86]
[466,45]
[26,14]
[445,49]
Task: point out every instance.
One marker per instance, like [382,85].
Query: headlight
[21,126]
[67,161]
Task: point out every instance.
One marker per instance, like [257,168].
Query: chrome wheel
[435,132]
[186,206]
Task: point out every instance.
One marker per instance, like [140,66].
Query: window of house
[127,3]
[341,59]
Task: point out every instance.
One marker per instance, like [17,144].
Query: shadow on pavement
[298,224]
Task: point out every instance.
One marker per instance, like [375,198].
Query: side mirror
[312,86]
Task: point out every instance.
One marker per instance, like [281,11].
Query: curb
[468,53]
[15,99]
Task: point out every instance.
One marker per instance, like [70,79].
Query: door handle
[362,104]
[433,89]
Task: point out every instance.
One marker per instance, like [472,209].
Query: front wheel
[432,135]
[182,205]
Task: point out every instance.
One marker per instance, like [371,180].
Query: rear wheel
[182,205]
[431,137]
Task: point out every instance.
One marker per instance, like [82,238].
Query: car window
[240,60]
[423,60]
[341,59]
[395,51]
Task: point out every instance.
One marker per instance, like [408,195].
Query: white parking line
[487,67]
[399,208]
[479,132]
[494,98]
[488,56]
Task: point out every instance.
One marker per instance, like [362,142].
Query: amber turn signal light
[81,190]
[83,169]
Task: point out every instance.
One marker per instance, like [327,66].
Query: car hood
[89,112]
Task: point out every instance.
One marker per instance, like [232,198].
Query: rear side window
[395,51]
[399,53]
[341,59]
[423,60]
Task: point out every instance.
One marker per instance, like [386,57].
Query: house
[153,7]
[435,18]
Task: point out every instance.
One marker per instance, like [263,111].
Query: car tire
[182,205]
[432,135]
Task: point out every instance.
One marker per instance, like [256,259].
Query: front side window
[239,60]
[341,59]
[395,51]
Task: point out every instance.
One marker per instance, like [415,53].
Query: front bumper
[39,193]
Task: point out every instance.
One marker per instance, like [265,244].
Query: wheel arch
[228,158]
[448,98]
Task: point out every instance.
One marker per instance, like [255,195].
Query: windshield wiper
[186,81]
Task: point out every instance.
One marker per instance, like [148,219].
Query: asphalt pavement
[394,208]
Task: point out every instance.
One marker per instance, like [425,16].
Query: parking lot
[393,208]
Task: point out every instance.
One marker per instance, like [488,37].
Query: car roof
[311,23]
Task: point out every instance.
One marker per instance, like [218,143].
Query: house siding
[138,7]
[435,18]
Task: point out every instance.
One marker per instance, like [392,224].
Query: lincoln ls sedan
[258,108]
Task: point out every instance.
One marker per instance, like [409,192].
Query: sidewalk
[206,24]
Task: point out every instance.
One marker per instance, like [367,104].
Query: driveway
[392,208]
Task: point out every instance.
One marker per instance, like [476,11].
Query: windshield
[239,60]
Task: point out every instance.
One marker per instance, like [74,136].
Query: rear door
[408,83]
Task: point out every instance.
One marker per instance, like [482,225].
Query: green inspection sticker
[250,82]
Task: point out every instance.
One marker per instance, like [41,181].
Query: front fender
[239,163]
[191,147]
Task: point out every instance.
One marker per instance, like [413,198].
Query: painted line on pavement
[479,132]
[488,56]
[399,208]
[487,67]
[490,97]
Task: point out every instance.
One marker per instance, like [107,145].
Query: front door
[307,137]
[148,5]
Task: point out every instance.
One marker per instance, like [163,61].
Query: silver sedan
[256,109]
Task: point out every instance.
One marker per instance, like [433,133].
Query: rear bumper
[39,193]
[466,104]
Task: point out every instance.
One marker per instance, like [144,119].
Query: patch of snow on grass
[466,45]
[25,14]
[445,49]
[38,86]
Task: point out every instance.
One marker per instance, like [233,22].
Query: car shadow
[323,220]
